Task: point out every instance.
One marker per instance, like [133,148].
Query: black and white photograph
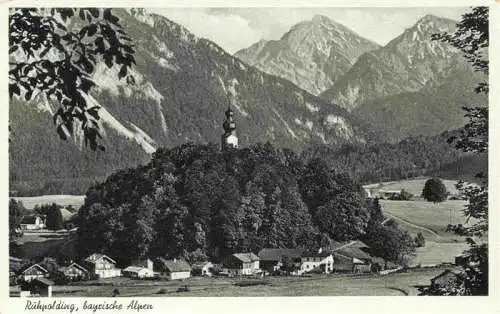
[247,152]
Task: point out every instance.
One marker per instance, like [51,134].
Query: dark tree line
[379,162]
[194,200]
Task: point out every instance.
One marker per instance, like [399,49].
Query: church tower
[229,138]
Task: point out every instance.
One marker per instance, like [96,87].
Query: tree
[420,240]
[472,38]
[389,242]
[16,212]
[53,54]
[434,190]
[54,220]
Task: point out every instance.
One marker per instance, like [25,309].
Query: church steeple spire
[229,138]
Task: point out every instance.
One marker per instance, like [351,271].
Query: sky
[237,28]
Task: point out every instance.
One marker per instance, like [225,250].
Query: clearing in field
[64,200]
[413,186]
[431,220]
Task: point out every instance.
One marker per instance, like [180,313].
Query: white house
[137,272]
[203,269]
[32,222]
[101,265]
[311,260]
[173,269]
[242,264]
[33,272]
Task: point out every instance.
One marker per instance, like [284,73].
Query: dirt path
[438,237]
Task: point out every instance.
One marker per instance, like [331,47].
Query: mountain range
[411,86]
[184,84]
[313,54]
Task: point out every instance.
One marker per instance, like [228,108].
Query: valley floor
[396,284]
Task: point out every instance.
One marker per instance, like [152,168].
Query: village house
[102,266]
[242,264]
[271,259]
[33,272]
[172,269]
[41,287]
[32,222]
[446,278]
[137,272]
[74,272]
[202,269]
[353,256]
[144,263]
[311,260]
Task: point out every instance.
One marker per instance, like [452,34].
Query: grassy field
[434,217]
[430,219]
[414,186]
[42,243]
[64,200]
[371,285]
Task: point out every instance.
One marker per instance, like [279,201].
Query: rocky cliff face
[184,85]
[412,86]
[313,54]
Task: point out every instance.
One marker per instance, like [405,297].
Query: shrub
[420,240]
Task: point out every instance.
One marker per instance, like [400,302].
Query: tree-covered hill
[195,199]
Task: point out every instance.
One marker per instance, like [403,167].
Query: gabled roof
[35,266]
[316,254]
[97,256]
[29,219]
[455,272]
[354,252]
[177,265]
[268,254]
[134,269]
[246,257]
[201,264]
[63,269]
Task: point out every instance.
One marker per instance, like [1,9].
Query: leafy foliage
[434,190]
[419,240]
[472,38]
[54,218]
[53,55]
[194,200]
[389,242]
[16,212]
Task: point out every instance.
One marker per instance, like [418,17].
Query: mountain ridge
[312,54]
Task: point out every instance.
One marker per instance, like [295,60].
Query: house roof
[455,272]
[134,269]
[341,259]
[268,254]
[246,257]
[97,256]
[34,266]
[354,252]
[201,264]
[177,265]
[29,219]
[63,269]
[45,281]
[316,253]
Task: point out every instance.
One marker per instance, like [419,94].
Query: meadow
[414,186]
[396,284]
[64,200]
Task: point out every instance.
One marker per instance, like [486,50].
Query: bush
[434,190]
[420,240]
[162,291]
